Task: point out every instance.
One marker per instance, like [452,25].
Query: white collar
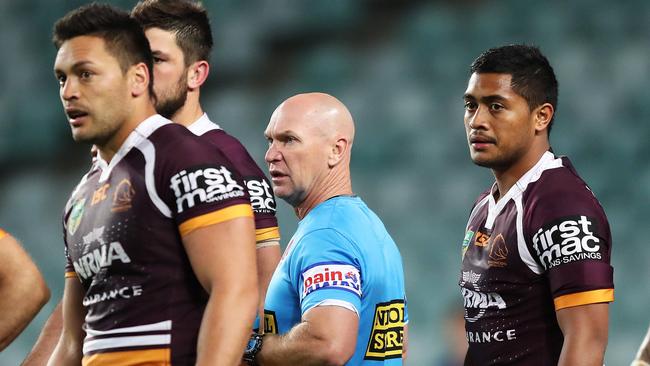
[141,132]
[203,125]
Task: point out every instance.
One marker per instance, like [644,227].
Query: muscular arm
[268,256]
[22,290]
[643,355]
[68,350]
[223,259]
[48,339]
[585,334]
[326,336]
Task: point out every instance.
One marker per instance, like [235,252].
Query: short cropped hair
[532,75]
[123,36]
[187,20]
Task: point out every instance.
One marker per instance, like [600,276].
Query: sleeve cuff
[584,298]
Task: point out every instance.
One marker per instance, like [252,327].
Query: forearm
[47,340]
[268,257]
[21,297]
[297,347]
[67,352]
[584,350]
[226,327]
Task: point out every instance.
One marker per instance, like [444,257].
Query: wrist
[253,348]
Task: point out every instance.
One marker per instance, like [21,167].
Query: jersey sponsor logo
[100,194]
[567,240]
[203,184]
[125,292]
[476,303]
[262,199]
[331,276]
[387,335]
[123,196]
[270,322]
[468,238]
[487,337]
[482,239]
[76,213]
[103,256]
[498,252]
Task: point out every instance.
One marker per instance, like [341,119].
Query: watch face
[252,342]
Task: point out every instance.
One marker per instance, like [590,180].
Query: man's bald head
[310,138]
[320,112]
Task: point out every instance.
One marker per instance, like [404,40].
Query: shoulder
[561,191]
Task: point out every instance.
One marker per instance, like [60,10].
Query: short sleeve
[569,236]
[327,271]
[199,185]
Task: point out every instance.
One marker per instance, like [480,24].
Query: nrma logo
[567,240]
[261,196]
[203,184]
[331,276]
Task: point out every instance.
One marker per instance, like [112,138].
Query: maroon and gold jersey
[123,227]
[258,186]
[544,246]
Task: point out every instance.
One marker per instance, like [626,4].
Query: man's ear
[338,151]
[543,116]
[197,74]
[139,79]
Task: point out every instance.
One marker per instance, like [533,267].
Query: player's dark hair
[123,36]
[532,75]
[187,20]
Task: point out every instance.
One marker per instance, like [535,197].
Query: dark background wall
[401,67]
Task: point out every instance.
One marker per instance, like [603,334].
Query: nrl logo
[76,213]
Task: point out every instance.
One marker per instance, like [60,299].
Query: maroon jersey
[258,186]
[123,228]
[544,246]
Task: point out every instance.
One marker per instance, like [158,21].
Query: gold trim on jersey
[149,357]
[215,217]
[584,298]
[267,233]
[71,274]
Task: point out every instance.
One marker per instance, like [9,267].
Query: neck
[334,185]
[507,177]
[108,149]
[190,111]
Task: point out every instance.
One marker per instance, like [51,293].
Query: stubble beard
[168,106]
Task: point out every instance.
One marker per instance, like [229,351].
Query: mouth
[277,175]
[75,116]
[480,142]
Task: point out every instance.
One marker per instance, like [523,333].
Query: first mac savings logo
[566,240]
[203,184]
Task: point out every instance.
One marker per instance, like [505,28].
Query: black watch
[253,348]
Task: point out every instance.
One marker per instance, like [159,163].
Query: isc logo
[261,197]
[387,336]
[205,185]
[567,240]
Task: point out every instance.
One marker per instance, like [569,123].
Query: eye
[469,105]
[61,79]
[496,107]
[85,75]
[157,60]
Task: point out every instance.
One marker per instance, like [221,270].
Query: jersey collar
[203,125]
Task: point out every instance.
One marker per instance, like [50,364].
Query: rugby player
[536,276]
[337,296]
[180,37]
[159,233]
[23,291]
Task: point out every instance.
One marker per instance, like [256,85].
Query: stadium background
[401,67]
